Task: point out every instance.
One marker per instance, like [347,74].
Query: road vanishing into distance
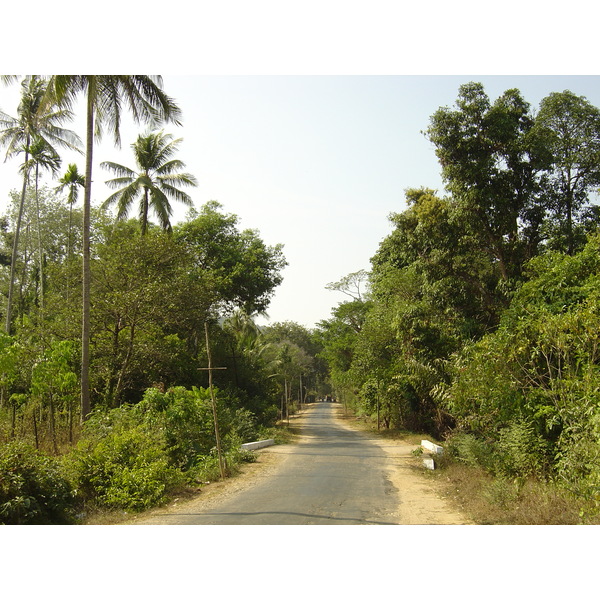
[334,476]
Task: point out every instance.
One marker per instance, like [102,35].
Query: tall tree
[244,270]
[105,97]
[35,120]
[491,167]
[155,181]
[568,126]
[40,155]
[71,181]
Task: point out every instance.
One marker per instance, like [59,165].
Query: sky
[316,163]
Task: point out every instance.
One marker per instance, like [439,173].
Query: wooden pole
[214,403]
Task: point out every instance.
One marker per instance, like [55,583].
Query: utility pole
[210,370]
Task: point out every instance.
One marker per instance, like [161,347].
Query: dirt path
[420,504]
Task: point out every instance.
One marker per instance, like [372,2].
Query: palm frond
[117,169]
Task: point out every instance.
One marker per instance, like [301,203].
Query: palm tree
[72,180]
[155,181]
[44,156]
[105,96]
[34,121]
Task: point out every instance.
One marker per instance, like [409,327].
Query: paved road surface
[334,477]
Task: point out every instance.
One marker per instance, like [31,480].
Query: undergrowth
[494,485]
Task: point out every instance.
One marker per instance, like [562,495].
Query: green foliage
[522,452]
[471,450]
[33,489]
[121,463]
[156,181]
[9,360]
[131,457]
[568,128]
[54,374]
[185,419]
[127,469]
[532,386]
[491,166]
[242,269]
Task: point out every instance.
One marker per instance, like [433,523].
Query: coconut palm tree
[34,121]
[44,156]
[71,181]
[154,182]
[105,98]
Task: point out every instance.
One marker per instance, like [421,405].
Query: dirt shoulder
[421,501]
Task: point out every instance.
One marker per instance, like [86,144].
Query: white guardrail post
[432,448]
[257,445]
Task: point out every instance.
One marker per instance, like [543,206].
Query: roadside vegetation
[478,323]
[112,323]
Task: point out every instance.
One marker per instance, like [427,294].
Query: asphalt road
[335,476]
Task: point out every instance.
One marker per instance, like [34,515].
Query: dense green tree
[536,378]
[296,353]
[243,270]
[156,180]
[431,238]
[338,337]
[491,163]
[141,289]
[568,127]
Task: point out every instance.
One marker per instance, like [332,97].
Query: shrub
[128,469]
[470,450]
[186,421]
[33,489]
[131,457]
[521,452]
[578,459]
[244,425]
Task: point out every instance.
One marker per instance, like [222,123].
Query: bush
[244,426]
[131,457]
[470,450]
[33,489]
[185,419]
[521,452]
[578,459]
[128,469]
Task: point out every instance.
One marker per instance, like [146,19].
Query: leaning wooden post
[214,403]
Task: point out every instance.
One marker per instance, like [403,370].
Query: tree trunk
[285,395]
[40,252]
[69,252]
[35,430]
[125,363]
[52,424]
[70,415]
[570,238]
[145,212]
[214,403]
[13,421]
[15,249]
[85,317]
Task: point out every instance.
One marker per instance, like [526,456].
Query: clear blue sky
[316,163]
